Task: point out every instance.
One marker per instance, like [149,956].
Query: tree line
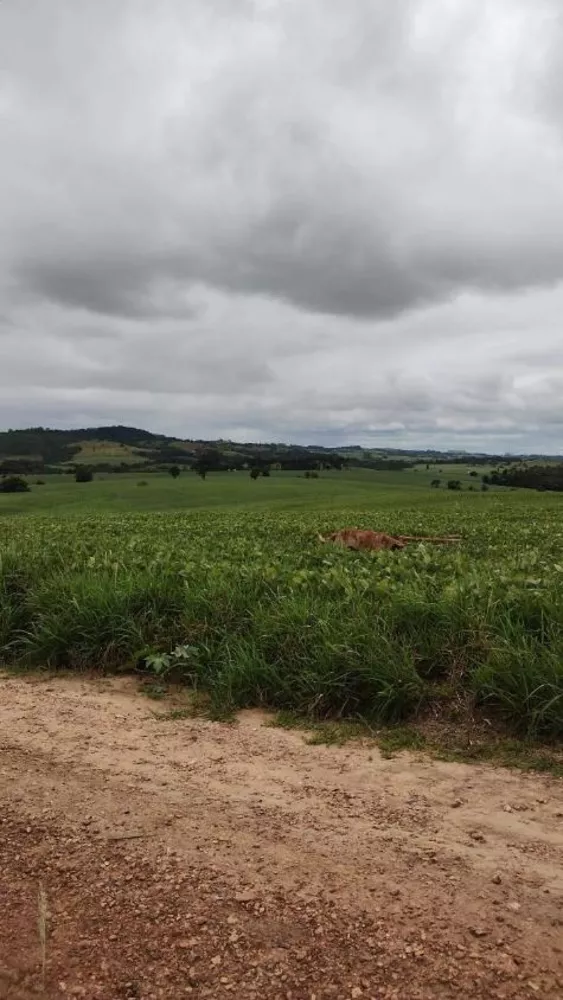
[532,477]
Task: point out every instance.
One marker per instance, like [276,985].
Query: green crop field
[224,584]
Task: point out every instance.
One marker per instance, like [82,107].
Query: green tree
[174,471]
[14,484]
[83,474]
[208,460]
[201,467]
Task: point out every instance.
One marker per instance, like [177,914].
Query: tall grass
[273,618]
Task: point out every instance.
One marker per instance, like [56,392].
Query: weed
[399,738]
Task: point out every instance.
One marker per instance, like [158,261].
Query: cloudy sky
[302,220]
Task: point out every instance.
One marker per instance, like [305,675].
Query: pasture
[223,584]
[140,491]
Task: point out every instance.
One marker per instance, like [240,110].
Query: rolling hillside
[119,448]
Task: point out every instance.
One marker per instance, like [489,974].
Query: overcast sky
[305,220]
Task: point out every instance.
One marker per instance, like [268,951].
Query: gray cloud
[283,219]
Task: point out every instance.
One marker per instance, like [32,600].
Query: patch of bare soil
[189,858]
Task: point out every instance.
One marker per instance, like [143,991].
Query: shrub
[83,475]
[14,484]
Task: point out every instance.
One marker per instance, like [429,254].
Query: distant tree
[14,484]
[473,473]
[266,471]
[19,467]
[484,488]
[83,474]
[255,472]
[208,460]
[174,471]
[454,484]
[436,483]
[529,476]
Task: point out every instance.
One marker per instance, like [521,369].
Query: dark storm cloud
[294,215]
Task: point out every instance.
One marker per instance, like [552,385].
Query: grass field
[122,492]
[224,584]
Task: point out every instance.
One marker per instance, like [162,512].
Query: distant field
[102,452]
[110,574]
[355,488]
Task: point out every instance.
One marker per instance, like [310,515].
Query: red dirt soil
[184,858]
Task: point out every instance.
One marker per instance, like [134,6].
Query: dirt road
[187,858]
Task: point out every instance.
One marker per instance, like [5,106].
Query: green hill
[119,448]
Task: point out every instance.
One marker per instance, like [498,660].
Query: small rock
[245,897]
[457,803]
[477,835]
[478,932]
[497,879]
[514,906]
[508,809]
[356,992]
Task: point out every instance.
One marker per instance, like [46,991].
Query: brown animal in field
[376,541]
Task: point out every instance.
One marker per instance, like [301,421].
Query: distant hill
[118,448]
[41,447]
